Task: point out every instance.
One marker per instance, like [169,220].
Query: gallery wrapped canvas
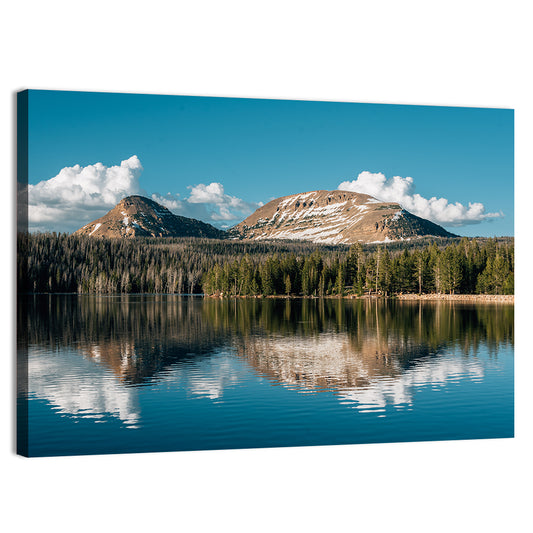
[202,273]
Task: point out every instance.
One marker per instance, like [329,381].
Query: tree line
[57,263]
[459,268]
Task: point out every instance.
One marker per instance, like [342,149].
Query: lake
[147,373]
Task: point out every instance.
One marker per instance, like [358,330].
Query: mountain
[137,216]
[334,217]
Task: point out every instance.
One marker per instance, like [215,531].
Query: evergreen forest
[63,263]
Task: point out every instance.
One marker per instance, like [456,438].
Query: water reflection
[370,353]
[205,378]
[334,363]
[90,356]
[77,388]
[400,391]
[136,337]
[362,373]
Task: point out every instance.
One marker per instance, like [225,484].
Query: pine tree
[287,285]
[255,284]
[500,272]
[352,264]
[322,282]
[339,281]
[267,281]
[451,269]
[386,280]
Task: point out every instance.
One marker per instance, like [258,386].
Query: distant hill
[137,216]
[334,217]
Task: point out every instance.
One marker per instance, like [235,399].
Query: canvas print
[204,273]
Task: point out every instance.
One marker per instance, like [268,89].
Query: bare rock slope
[334,217]
[137,216]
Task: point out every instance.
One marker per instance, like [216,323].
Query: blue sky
[217,159]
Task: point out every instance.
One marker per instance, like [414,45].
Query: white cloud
[226,207]
[176,205]
[208,203]
[401,190]
[78,195]
[208,194]
[170,201]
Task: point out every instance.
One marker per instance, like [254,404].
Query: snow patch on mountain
[95,228]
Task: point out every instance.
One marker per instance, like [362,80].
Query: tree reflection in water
[316,343]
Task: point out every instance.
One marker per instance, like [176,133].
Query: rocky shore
[494,298]
[500,298]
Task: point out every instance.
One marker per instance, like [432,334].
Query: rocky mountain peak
[334,217]
[137,216]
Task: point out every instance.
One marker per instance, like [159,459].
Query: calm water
[158,373]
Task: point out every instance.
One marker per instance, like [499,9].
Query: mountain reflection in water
[92,356]
[373,352]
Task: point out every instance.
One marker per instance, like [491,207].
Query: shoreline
[480,298]
[500,298]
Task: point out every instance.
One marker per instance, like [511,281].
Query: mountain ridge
[334,217]
[320,217]
[138,216]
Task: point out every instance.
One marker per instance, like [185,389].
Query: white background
[452,53]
